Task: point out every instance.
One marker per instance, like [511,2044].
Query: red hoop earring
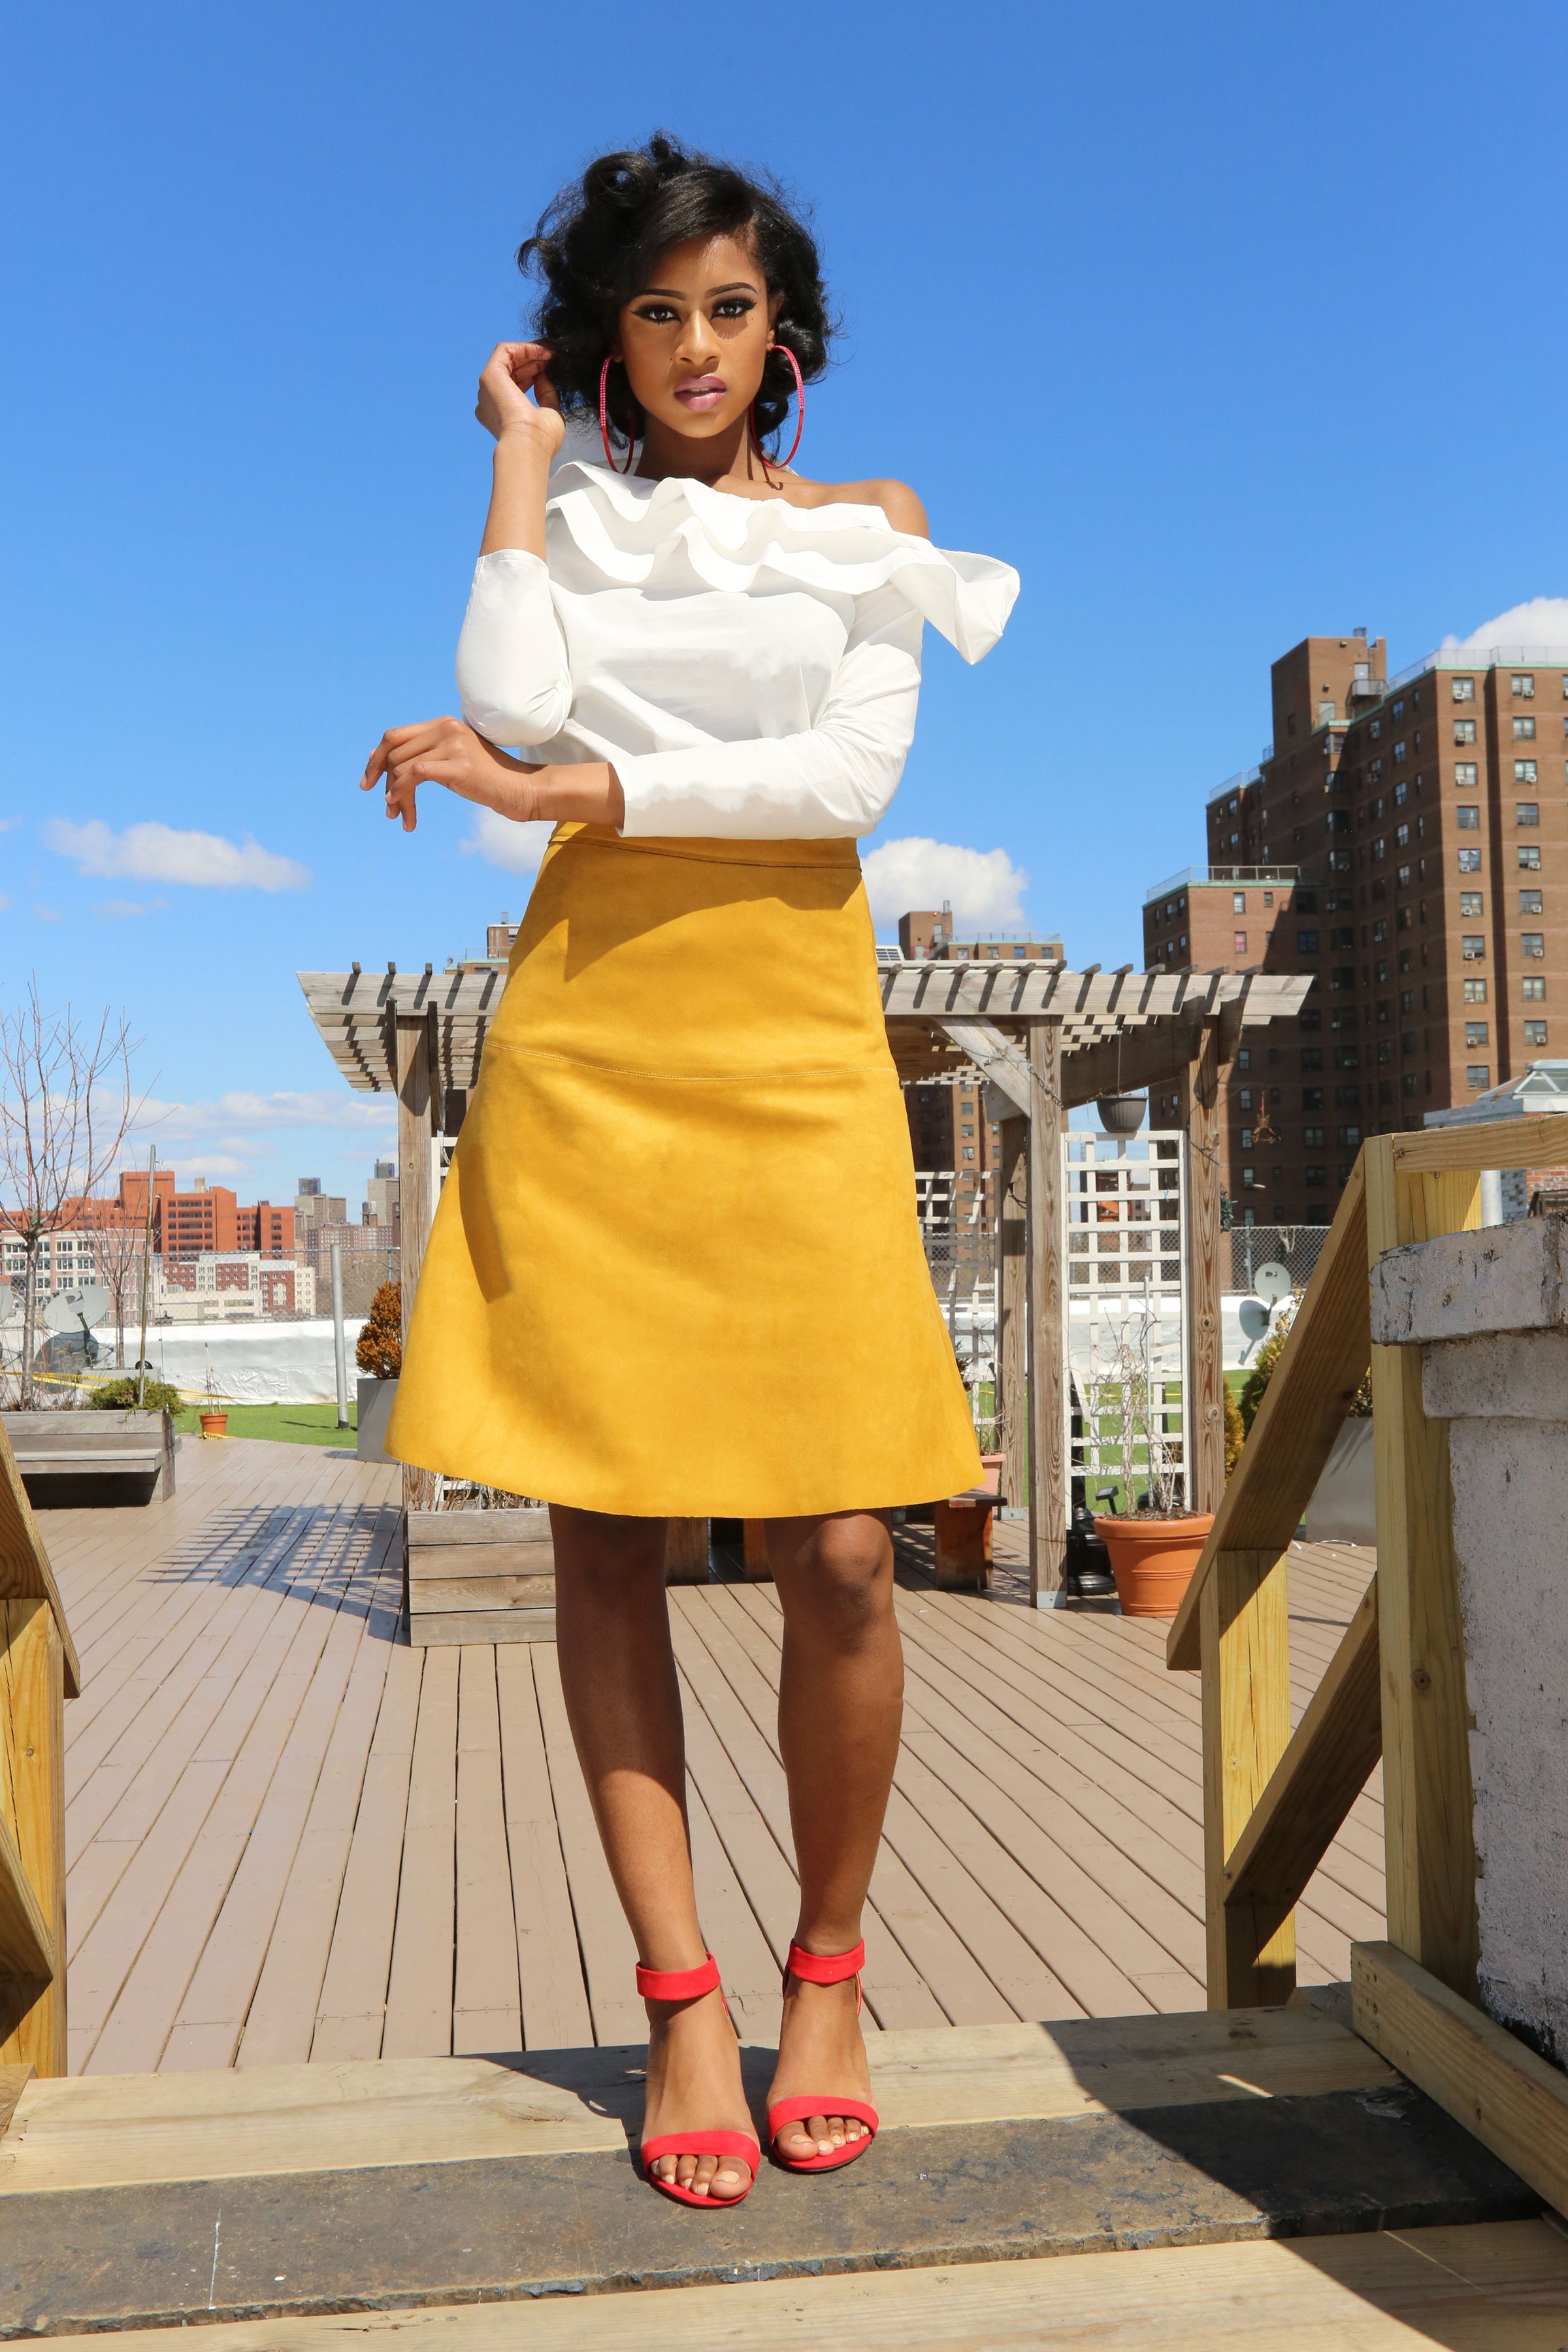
[800,415]
[605,426]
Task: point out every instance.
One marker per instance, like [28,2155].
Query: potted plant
[378,1352]
[213,1410]
[1154,1542]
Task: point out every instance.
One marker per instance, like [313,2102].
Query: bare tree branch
[66,1106]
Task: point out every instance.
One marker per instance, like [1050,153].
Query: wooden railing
[39,1671]
[1273,1802]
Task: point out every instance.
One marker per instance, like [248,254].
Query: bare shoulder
[902,505]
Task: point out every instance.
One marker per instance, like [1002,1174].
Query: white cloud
[160,852]
[984,885]
[117,907]
[241,1119]
[9,823]
[501,841]
[1541,624]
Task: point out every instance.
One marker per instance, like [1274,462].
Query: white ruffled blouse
[751,668]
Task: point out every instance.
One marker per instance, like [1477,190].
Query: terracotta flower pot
[1153,1561]
[215,1424]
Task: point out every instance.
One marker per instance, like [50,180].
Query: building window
[1526,811]
[1402,879]
[1530,902]
[1350,1138]
[1522,688]
[1401,837]
[1314,1138]
[1472,946]
[1529,856]
[1314,1178]
[1244,1097]
[1246,1139]
[1524,730]
[1407,1083]
[1524,771]
[1532,943]
[1306,942]
[1248,1176]
[1476,1032]
[1470,902]
[1469,819]
[1238,942]
[1464,731]
[1402,793]
[1469,861]
[1269,898]
[1535,1033]
[1238,902]
[1018,951]
[1534,991]
[1464,689]
[1478,1074]
[1475,991]
[1379,849]
[1311,1099]
[1399,753]
[1465,775]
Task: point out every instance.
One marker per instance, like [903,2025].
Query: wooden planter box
[479,1576]
[69,1459]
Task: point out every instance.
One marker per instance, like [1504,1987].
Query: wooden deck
[290,1837]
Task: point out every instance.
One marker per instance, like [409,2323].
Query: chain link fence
[1297,1248]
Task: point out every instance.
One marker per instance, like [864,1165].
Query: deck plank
[286,1827]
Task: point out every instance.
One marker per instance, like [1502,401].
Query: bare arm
[528,432]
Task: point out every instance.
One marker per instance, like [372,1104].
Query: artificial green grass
[292,1425]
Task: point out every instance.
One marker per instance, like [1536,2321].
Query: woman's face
[695,338]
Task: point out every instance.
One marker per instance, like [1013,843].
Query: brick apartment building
[948,1127]
[1397,841]
[205,1218]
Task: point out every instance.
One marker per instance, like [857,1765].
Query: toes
[817,2127]
[731,2182]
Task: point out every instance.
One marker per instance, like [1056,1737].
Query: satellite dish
[1272,1281]
[70,1310]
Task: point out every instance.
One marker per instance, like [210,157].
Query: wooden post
[1012,1272]
[1198,1110]
[32,1806]
[1244,1625]
[1430,1835]
[1048,1487]
[686,1552]
[415,1128]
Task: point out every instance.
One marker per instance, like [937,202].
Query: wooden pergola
[1045,1038]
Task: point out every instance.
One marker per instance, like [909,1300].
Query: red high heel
[812,1967]
[690,1984]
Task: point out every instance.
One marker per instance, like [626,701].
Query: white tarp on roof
[251,1363]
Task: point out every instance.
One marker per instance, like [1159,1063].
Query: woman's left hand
[446,751]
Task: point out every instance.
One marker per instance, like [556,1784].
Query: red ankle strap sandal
[690,1984]
[817,1967]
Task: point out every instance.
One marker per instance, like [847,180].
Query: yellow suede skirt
[676,1269]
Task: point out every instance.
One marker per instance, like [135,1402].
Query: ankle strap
[678,1984]
[814,1968]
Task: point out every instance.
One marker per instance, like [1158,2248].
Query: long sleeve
[830,779]
[514,680]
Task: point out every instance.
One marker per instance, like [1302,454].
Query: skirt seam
[692,1079]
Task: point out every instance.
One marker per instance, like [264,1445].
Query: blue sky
[1222,325]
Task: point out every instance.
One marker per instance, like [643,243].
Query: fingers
[426,731]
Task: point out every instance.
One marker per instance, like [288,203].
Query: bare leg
[623,1701]
[841,1698]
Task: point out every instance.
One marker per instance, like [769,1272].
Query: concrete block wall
[1490,1312]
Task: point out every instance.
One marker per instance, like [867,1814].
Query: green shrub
[118,1396]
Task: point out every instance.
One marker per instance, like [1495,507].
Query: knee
[842,1579]
[600,1554]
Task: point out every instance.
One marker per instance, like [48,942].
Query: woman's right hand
[503,406]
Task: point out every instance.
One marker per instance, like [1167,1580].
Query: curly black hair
[597,245]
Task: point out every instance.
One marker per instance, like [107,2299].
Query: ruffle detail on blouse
[631,531]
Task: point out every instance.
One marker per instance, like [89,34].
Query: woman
[676,1269]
